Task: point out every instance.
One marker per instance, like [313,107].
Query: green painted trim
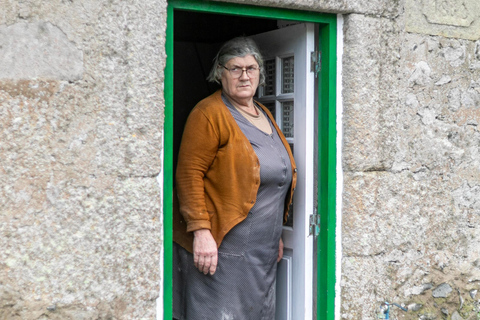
[326,141]
[254,11]
[326,261]
[168,171]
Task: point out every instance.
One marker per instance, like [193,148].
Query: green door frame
[326,141]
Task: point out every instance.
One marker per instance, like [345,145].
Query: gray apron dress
[243,286]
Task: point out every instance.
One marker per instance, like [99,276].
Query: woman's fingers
[199,261]
[206,266]
[205,254]
[280,250]
[213,265]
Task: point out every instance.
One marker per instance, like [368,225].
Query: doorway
[197,38]
[196,31]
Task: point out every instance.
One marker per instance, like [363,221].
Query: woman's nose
[244,75]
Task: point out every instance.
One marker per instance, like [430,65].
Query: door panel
[283,307]
[289,94]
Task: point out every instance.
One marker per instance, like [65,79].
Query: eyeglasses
[237,72]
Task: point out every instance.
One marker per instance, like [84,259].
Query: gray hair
[237,47]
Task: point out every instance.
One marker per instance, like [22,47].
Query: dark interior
[197,38]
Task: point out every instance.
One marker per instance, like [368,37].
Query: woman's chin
[244,93]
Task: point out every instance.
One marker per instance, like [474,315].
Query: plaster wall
[81,118]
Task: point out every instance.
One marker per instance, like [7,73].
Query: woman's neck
[246,104]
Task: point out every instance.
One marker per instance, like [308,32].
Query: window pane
[287,76]
[271,107]
[287,118]
[269,77]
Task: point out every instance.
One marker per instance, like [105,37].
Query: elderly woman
[234,182]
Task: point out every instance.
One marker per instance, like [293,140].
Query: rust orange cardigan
[218,173]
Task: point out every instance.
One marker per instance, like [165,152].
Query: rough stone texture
[442,291]
[389,8]
[370,88]
[38,49]
[79,155]
[80,225]
[449,18]
[412,171]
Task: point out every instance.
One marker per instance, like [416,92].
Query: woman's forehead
[247,60]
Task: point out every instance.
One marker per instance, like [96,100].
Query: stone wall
[81,116]
[412,172]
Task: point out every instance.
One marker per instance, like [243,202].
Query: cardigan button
[295,170]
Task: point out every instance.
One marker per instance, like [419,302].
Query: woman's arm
[197,151]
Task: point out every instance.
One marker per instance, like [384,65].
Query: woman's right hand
[205,253]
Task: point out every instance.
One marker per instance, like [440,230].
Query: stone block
[38,50]
[89,244]
[442,291]
[389,8]
[385,211]
[370,90]
[448,18]
[80,145]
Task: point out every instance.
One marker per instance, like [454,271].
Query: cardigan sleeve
[198,149]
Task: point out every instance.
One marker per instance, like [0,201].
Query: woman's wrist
[201,231]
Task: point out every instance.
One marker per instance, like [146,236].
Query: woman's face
[245,86]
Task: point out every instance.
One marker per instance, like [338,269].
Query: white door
[289,94]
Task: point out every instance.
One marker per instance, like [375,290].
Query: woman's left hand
[280,250]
